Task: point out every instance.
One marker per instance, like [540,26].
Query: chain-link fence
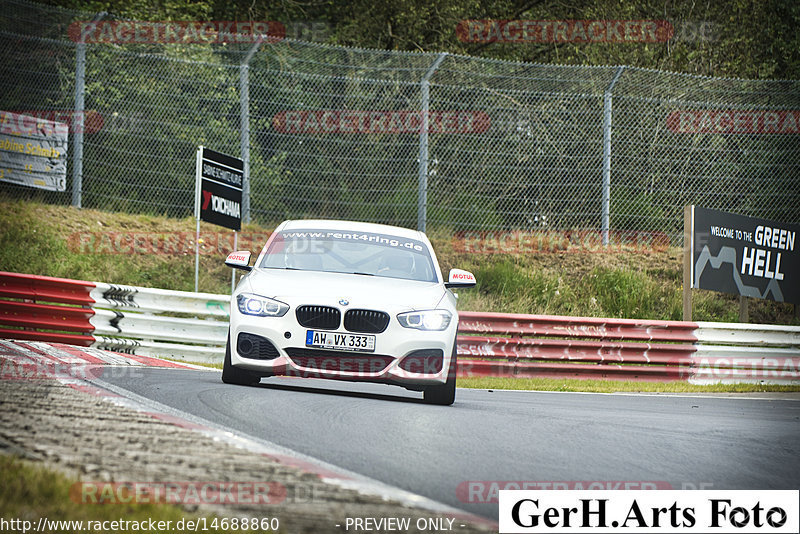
[339,132]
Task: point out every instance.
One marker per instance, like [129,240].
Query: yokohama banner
[220,180]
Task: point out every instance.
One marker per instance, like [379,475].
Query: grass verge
[31,491]
[614,386]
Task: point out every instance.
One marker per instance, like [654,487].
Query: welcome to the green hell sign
[744,255]
[759,261]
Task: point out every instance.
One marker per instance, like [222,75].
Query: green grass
[52,240]
[31,491]
[614,386]
[45,239]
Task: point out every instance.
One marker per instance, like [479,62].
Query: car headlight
[251,304]
[426,319]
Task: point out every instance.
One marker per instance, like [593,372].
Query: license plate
[338,341]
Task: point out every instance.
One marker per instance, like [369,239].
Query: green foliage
[155,119]
[736,38]
[635,211]
[539,164]
[467,210]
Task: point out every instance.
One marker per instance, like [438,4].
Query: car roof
[352,226]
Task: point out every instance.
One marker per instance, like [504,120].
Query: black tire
[232,375]
[444,395]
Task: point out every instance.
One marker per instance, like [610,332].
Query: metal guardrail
[143,321]
[529,346]
[133,320]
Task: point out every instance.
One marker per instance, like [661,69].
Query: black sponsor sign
[745,255]
[221,178]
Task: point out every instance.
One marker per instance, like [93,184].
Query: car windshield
[340,251]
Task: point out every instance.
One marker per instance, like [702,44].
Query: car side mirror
[460,278]
[239,260]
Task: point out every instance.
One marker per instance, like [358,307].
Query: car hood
[313,287]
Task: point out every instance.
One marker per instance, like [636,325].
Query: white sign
[33,151]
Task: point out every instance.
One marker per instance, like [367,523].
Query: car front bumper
[402,356]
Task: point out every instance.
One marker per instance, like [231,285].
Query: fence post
[606,212]
[422,193]
[78,119]
[244,111]
[78,123]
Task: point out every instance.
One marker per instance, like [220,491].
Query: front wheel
[232,375]
[444,395]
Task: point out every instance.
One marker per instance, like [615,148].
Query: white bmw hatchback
[345,300]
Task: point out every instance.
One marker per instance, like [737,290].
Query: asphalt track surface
[388,434]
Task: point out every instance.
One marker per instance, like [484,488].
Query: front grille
[318,317]
[255,347]
[366,321]
[335,360]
